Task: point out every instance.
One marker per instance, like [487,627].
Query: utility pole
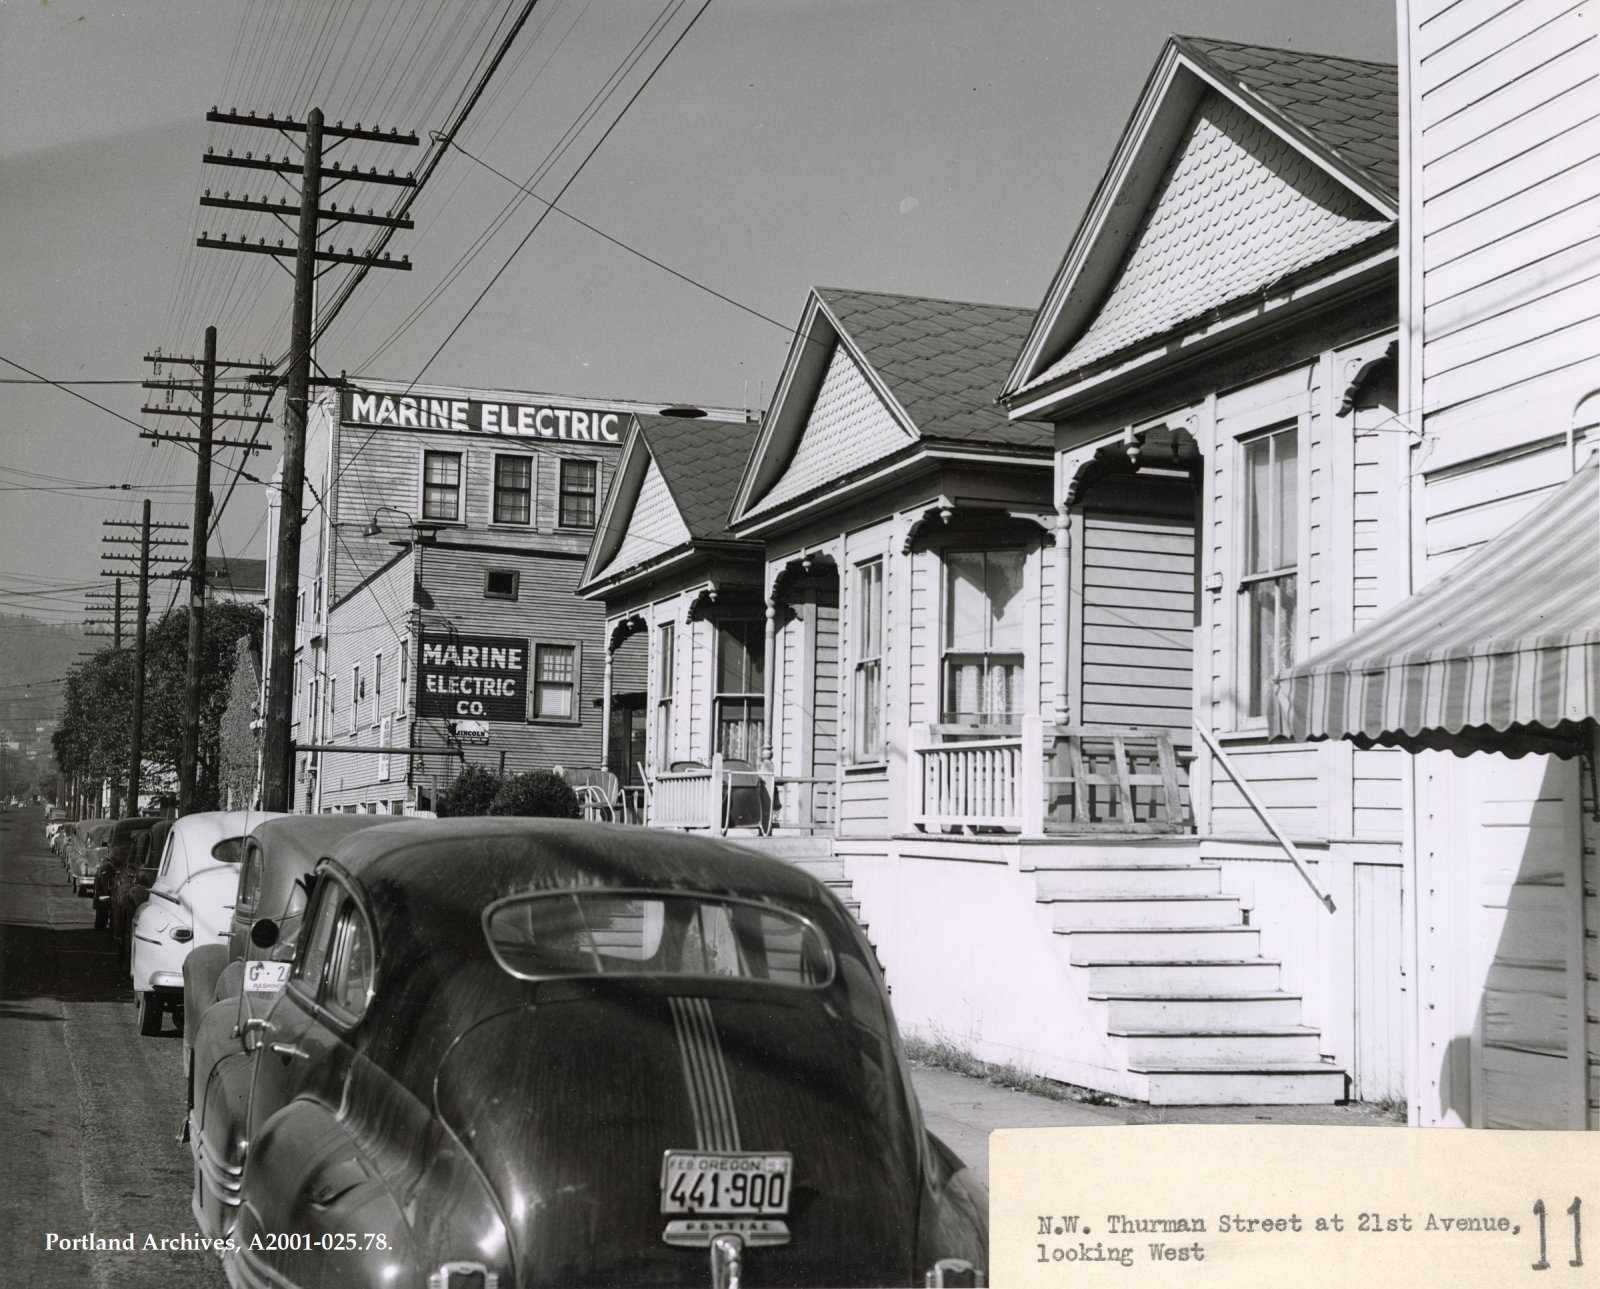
[203,443]
[136,755]
[144,542]
[114,599]
[277,752]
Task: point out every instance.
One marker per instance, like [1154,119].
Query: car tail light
[463,1275]
[182,934]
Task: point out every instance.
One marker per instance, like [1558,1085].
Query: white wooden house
[684,619]
[1490,674]
[1216,354]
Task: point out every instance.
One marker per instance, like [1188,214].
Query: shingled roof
[1350,107]
[701,461]
[943,360]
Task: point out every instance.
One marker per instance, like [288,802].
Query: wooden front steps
[1175,981]
[815,855]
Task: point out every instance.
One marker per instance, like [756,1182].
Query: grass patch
[944,1052]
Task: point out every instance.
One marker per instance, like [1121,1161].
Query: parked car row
[502,1052]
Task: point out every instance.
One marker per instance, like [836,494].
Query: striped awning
[1502,653]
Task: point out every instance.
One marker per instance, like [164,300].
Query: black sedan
[523,1052]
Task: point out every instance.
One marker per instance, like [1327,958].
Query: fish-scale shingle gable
[1242,169]
[1352,107]
[1239,209]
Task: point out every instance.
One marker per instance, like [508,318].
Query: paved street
[88,1132]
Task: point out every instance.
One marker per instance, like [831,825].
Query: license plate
[726,1184]
[264,977]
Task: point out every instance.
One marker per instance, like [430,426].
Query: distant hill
[32,655]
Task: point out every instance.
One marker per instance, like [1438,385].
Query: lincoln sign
[478,678]
[522,420]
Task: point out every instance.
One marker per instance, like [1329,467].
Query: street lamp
[422,534]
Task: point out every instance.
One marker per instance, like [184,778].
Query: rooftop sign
[474,416]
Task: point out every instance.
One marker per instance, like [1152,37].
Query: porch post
[1063,579]
[605,715]
[768,658]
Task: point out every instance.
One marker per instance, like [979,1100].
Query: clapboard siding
[1491,155]
[1513,46]
[825,685]
[790,736]
[1377,794]
[1567,267]
[1286,779]
[1546,72]
[699,638]
[922,683]
[864,805]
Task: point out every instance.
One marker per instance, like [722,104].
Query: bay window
[740,715]
[1269,571]
[866,696]
[666,656]
[984,633]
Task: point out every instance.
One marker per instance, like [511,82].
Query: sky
[933,147]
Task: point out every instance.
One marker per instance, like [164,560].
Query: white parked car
[191,903]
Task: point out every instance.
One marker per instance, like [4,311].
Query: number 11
[1574,1212]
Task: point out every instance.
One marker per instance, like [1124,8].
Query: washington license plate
[264,977]
[726,1184]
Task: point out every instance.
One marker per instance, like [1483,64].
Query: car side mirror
[264,933]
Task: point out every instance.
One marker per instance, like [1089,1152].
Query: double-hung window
[579,488]
[513,490]
[1269,569]
[555,682]
[740,702]
[355,696]
[666,662]
[984,633]
[866,697]
[400,689]
[441,486]
[377,687]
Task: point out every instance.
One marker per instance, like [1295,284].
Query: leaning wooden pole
[277,746]
[189,757]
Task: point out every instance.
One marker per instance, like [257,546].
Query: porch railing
[1037,778]
[803,803]
[684,798]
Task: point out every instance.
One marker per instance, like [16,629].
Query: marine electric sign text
[474,416]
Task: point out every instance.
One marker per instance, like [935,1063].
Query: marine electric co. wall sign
[482,678]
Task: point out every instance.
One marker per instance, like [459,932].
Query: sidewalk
[962,1112]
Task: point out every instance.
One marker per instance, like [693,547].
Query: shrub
[540,793]
[472,793]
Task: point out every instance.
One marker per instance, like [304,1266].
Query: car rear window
[229,850]
[605,933]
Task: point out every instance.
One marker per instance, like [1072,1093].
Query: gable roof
[934,365]
[1324,128]
[698,463]
[943,360]
[701,461]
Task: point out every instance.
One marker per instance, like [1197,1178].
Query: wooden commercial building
[439,624]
